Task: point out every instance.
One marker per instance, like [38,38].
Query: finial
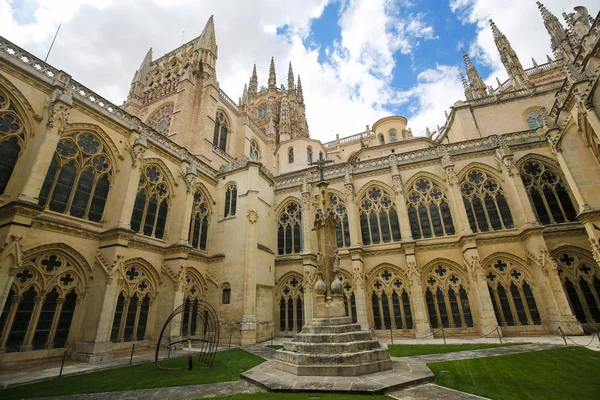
[272,77]
[548,58]
[290,77]
[499,83]
[535,64]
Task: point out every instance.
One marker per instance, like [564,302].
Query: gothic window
[151,205]
[289,229]
[428,210]
[393,137]
[230,200]
[309,155]
[485,202]
[132,312]
[581,279]
[390,301]
[161,120]
[291,296]
[378,217]
[193,294]
[226,294]
[39,310]
[381,139]
[254,152]
[535,120]
[198,234]
[547,192]
[262,111]
[221,130]
[290,155]
[342,229]
[512,296]
[79,177]
[447,298]
[12,139]
[349,297]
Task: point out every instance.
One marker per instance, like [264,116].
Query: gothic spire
[140,74]
[208,39]
[245,95]
[300,95]
[466,87]
[272,77]
[253,86]
[475,81]
[510,60]
[290,77]
[559,41]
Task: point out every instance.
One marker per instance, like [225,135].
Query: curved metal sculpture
[202,327]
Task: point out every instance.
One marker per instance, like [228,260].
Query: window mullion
[451,322]
[548,210]
[123,319]
[57,311]
[436,307]
[419,218]
[54,181]
[146,202]
[525,305]
[402,315]
[16,300]
[485,212]
[583,301]
[463,321]
[499,211]
[73,190]
[511,303]
[382,319]
[137,319]
[474,215]
[564,214]
[499,305]
[89,203]
[158,203]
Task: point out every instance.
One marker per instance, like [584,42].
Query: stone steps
[329,338]
[332,348]
[356,358]
[331,329]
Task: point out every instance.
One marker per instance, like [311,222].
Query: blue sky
[360,60]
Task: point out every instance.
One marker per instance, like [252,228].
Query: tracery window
[193,294]
[547,192]
[79,177]
[428,210]
[161,120]
[381,139]
[342,229]
[512,295]
[12,139]
[581,279]
[254,152]
[290,155]
[41,304]
[390,301]
[198,234]
[378,217]
[262,111]
[291,312]
[289,229]
[393,137]
[447,298]
[133,304]
[220,132]
[349,297]
[535,120]
[309,155]
[230,200]
[226,294]
[485,202]
[151,205]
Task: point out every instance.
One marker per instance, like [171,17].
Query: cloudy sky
[359,60]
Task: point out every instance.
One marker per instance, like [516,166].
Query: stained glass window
[12,139]
[446,296]
[161,120]
[428,210]
[580,276]
[535,120]
[289,229]
[342,229]
[198,233]
[390,301]
[220,132]
[291,310]
[230,200]
[378,217]
[151,205]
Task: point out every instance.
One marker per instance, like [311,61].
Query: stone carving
[13,247]
[137,150]
[252,216]
[59,109]
[397,184]
[413,271]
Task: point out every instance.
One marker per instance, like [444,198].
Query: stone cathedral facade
[112,216]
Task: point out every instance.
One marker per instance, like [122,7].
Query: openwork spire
[559,40]
[253,86]
[290,77]
[510,60]
[300,95]
[478,89]
[272,76]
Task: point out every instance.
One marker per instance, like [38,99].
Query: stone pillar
[179,225]
[59,305]
[351,210]
[421,319]
[175,331]
[358,282]
[33,320]
[309,271]
[515,189]
[398,185]
[10,262]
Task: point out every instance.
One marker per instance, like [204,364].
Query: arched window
[220,133]
[428,210]
[342,229]
[349,297]
[161,120]
[381,139]
[226,293]
[254,152]
[390,301]
[39,310]
[79,177]
[485,202]
[151,205]
[547,192]
[291,311]
[230,200]
[198,234]
[393,137]
[535,120]
[290,155]
[289,229]
[512,294]
[192,296]
[12,139]
[309,155]
[447,298]
[378,217]
[581,279]
[262,111]
[133,304]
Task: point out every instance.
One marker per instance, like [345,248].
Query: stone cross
[320,163]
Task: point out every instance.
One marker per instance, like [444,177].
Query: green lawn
[406,350]
[227,367]
[275,346]
[562,373]
[301,396]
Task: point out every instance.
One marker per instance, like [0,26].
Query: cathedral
[112,216]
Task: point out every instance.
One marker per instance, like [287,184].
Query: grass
[301,396]
[407,350]
[227,367]
[275,346]
[563,373]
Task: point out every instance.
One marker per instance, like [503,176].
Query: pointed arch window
[309,155]
[447,299]
[390,301]
[548,193]
[580,277]
[291,310]
[512,295]
[535,120]
[230,200]
[485,202]
[12,139]
[289,228]
[220,132]
[79,177]
[254,152]
[349,297]
[342,228]
[151,205]
[161,120]
[198,234]
[192,297]
[290,155]
[378,217]
[428,210]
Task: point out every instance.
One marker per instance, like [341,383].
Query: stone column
[398,185]
[33,320]
[421,320]
[59,305]
[179,226]
[309,271]
[175,331]
[358,282]
[9,321]
[351,210]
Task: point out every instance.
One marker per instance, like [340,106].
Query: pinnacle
[495,31]
[208,39]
